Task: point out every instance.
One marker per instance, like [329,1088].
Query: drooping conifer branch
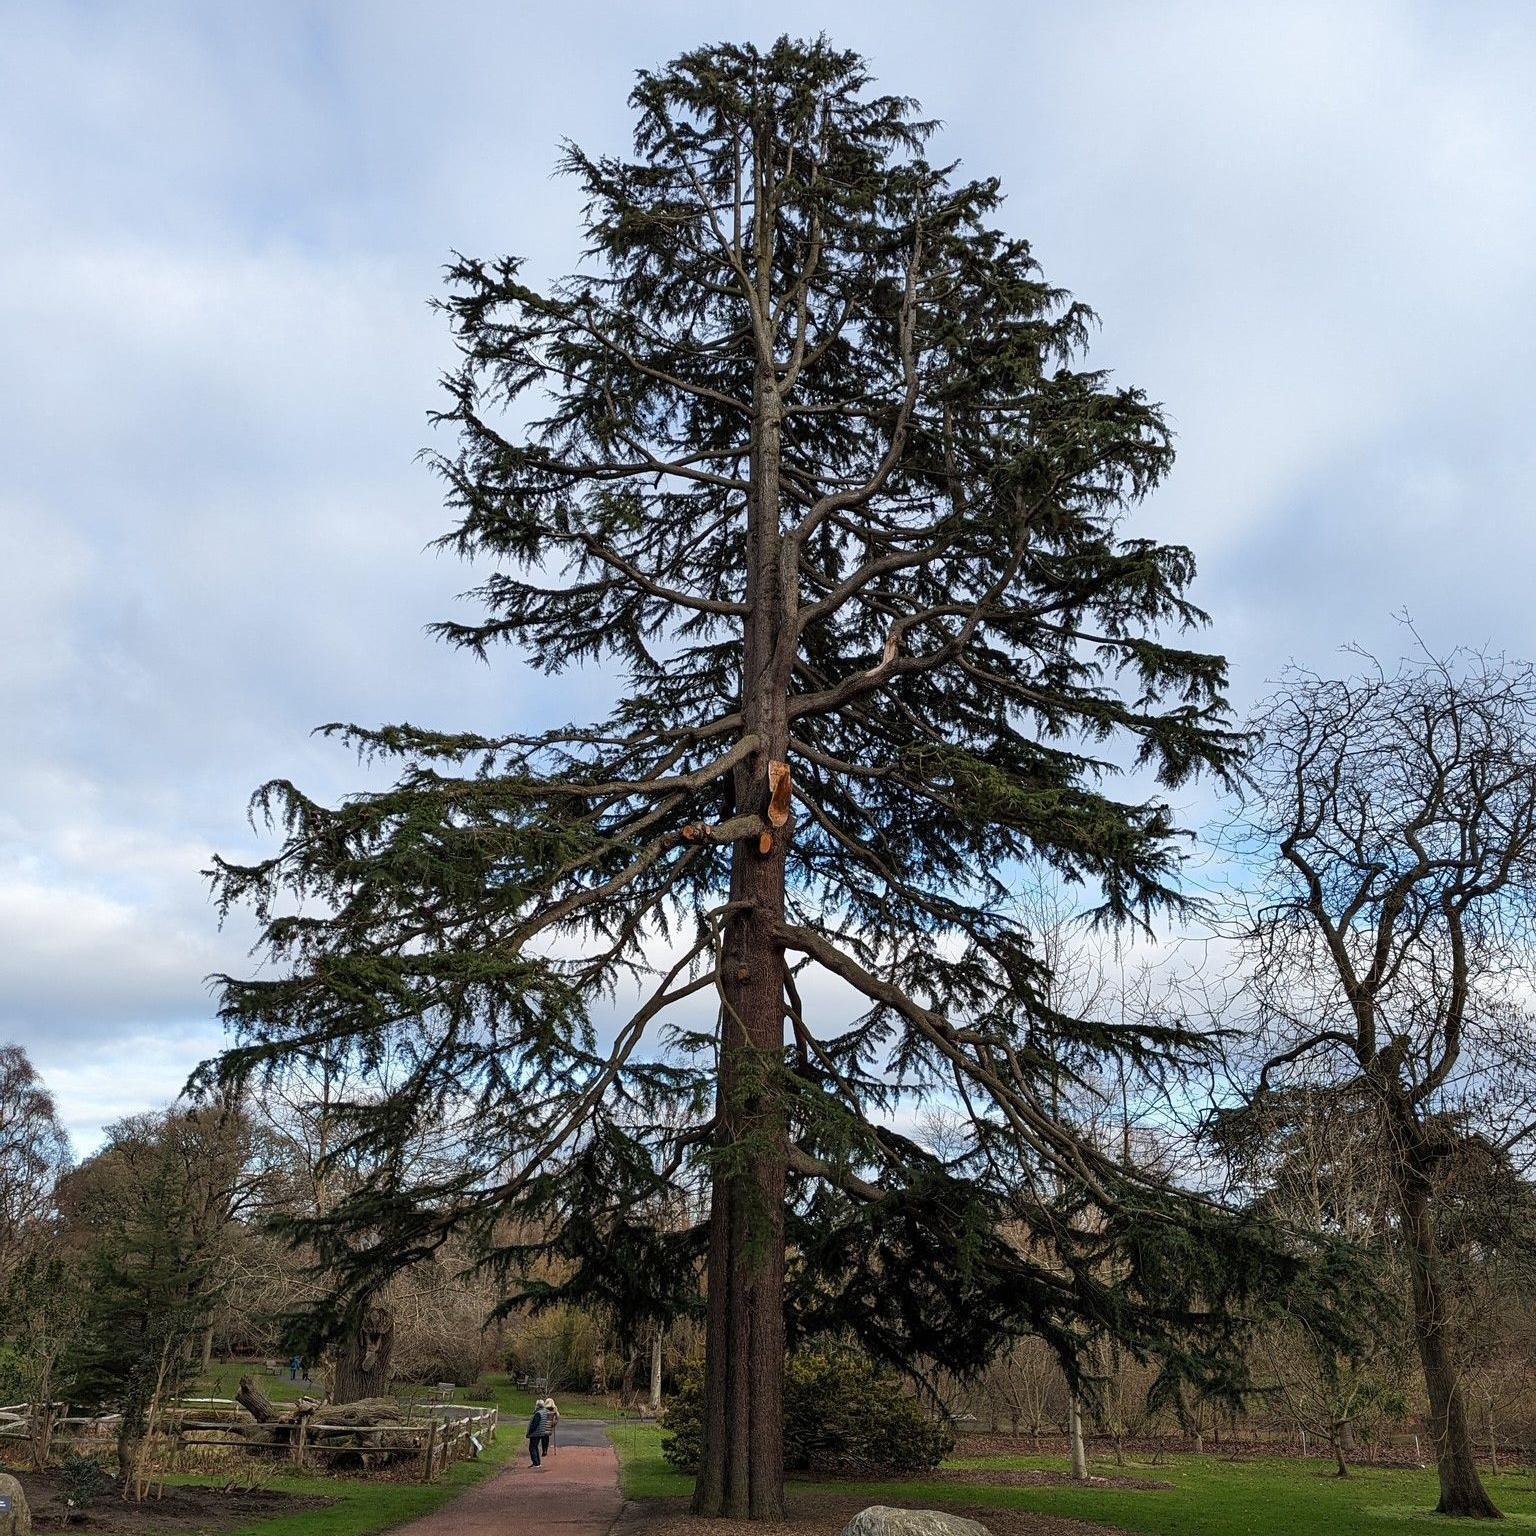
[806,458]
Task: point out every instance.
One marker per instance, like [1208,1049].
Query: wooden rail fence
[435,1434]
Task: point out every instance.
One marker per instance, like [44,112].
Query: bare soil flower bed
[179,1510]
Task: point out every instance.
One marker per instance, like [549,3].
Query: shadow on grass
[1208,1497]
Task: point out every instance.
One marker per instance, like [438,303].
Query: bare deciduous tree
[1390,944]
[33,1152]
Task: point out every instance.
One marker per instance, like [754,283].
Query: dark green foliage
[42,1302]
[83,1480]
[151,1212]
[806,396]
[842,1415]
[926,1273]
[12,1372]
[149,1291]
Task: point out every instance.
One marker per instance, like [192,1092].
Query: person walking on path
[537,1438]
[576,1494]
[551,1422]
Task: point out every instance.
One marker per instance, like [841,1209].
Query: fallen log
[366,1410]
[372,1427]
[256,1402]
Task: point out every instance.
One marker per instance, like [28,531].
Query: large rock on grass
[15,1517]
[883,1520]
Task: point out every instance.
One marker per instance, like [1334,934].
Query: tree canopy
[806,458]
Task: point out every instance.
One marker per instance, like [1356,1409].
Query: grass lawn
[361,1506]
[518,1401]
[223,1380]
[643,1471]
[1210,1496]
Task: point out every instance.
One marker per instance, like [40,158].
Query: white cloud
[1311,230]
[139,1069]
[80,960]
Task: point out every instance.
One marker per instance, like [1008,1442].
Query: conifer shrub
[83,1480]
[843,1416]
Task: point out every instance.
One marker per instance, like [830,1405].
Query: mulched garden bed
[189,1510]
[825,1514]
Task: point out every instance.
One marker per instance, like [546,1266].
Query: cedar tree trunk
[741,1472]
[363,1362]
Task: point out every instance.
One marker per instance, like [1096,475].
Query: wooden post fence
[446,1432]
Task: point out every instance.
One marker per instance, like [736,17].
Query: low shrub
[83,1480]
[842,1415]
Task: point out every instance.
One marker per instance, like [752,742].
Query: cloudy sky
[1310,229]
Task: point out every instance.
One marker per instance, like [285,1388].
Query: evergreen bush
[842,1415]
[83,1480]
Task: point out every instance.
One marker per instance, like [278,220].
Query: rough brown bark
[1461,1487]
[363,1362]
[256,1402]
[742,1470]
[741,1473]
[365,1427]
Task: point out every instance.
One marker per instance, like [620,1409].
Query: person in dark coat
[537,1427]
